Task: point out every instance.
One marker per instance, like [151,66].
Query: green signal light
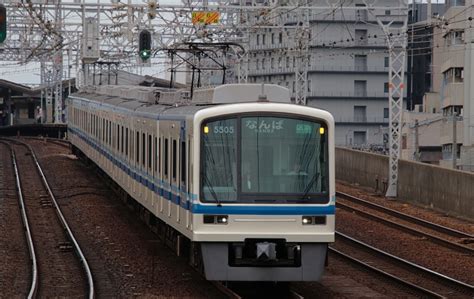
[145,54]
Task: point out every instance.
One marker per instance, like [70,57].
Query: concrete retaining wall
[446,190]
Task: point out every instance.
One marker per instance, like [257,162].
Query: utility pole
[417,142]
[467,150]
[455,141]
[396,37]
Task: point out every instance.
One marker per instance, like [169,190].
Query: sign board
[205,17]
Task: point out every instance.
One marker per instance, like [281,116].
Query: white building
[347,69]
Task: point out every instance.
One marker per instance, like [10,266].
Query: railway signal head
[144,45]
[3,23]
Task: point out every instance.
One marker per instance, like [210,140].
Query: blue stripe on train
[263,210]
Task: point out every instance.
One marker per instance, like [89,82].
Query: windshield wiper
[211,189]
[310,185]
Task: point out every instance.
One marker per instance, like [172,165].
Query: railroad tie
[65,246]
[46,203]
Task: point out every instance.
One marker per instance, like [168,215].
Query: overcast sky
[30,73]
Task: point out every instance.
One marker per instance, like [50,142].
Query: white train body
[251,182]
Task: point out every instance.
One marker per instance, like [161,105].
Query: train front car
[266,191]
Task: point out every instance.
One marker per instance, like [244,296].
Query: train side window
[166,158]
[131,145]
[126,142]
[110,133]
[121,139]
[117,137]
[106,133]
[103,130]
[156,155]
[143,149]
[183,162]
[175,158]
[150,151]
[159,155]
[137,146]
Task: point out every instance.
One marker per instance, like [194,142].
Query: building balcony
[347,69]
[322,94]
[361,120]
[347,15]
[317,68]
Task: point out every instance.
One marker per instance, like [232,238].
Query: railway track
[55,271]
[417,279]
[439,234]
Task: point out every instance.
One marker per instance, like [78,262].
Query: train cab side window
[174,160]
[137,145]
[150,151]
[166,158]
[183,162]
[126,142]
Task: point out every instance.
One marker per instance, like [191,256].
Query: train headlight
[313,220]
[216,219]
[222,219]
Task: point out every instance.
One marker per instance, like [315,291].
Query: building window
[385,87]
[263,39]
[386,113]
[360,88]
[455,38]
[273,38]
[404,141]
[361,37]
[386,62]
[280,37]
[360,63]
[360,137]
[454,75]
[361,13]
[258,39]
[360,113]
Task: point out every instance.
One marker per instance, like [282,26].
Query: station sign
[205,17]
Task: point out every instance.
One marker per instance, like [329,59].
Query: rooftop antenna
[262,97]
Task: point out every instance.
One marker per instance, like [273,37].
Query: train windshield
[264,159]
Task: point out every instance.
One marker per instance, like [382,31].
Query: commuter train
[239,177]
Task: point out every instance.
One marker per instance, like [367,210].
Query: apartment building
[347,69]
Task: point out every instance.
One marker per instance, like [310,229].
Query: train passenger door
[189,171]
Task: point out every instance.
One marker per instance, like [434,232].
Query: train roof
[153,100]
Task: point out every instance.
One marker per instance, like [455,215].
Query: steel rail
[29,239]
[406,217]
[63,221]
[457,284]
[399,280]
[441,241]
